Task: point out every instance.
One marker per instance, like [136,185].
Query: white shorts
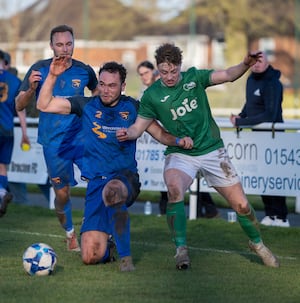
[215,167]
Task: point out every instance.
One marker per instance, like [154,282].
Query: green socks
[250,225]
[176,219]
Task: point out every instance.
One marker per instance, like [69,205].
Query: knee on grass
[91,256]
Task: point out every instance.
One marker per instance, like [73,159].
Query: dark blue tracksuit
[264,95]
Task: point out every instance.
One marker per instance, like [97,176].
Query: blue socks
[120,222]
[68,225]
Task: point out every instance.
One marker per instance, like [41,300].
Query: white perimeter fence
[268,161]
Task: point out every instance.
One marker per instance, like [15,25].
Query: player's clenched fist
[186,143]
[122,134]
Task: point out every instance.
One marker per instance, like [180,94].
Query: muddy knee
[114,193]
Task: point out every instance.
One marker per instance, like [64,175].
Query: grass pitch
[223,269]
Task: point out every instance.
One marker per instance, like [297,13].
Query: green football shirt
[184,110]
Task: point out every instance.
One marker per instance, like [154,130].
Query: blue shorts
[95,212]
[6,149]
[96,215]
[61,166]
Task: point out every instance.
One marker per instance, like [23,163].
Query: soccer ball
[39,259]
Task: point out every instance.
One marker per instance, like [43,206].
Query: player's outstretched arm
[46,102]
[234,72]
[164,137]
[134,131]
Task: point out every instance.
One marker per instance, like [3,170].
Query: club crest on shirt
[124,115]
[3,91]
[189,86]
[76,83]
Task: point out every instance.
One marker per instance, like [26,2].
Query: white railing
[277,153]
[274,154]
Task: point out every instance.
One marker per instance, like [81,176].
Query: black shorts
[132,182]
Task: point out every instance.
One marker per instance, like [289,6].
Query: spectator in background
[9,85]
[264,95]
[206,207]
[7,64]
[149,75]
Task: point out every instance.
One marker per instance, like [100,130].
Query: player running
[60,135]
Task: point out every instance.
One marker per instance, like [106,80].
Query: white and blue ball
[39,259]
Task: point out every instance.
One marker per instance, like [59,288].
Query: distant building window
[129,58]
[268,46]
[218,57]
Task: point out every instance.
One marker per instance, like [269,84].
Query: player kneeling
[109,216]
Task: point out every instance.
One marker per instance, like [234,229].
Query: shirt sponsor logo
[186,107]
[97,130]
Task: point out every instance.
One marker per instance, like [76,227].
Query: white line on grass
[22,232]
[211,250]
[222,251]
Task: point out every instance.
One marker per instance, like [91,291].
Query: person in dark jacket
[264,95]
